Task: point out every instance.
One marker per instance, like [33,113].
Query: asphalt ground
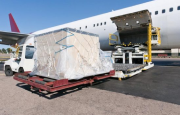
[162,82]
[155,91]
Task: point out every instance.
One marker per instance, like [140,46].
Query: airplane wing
[11,38]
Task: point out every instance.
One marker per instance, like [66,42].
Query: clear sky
[33,15]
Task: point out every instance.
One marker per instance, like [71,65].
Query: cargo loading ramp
[135,33]
[127,68]
[133,27]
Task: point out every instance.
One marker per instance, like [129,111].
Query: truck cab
[22,61]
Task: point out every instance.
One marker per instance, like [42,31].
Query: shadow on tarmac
[52,95]
[159,83]
[1,66]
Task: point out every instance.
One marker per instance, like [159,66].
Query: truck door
[27,61]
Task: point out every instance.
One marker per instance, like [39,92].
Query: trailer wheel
[21,70]
[8,71]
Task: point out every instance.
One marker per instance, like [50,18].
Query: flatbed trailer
[50,85]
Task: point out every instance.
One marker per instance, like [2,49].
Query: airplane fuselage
[102,25]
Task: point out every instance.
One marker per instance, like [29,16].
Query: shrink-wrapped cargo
[69,54]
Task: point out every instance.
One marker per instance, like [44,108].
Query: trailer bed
[50,85]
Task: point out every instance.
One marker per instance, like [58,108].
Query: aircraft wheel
[8,71]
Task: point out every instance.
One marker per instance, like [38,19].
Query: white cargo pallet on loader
[137,36]
[23,61]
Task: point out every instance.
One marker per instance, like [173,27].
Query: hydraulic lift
[137,36]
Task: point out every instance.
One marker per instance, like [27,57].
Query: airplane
[14,37]
[164,13]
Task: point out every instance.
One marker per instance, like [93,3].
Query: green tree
[1,51]
[9,50]
[4,51]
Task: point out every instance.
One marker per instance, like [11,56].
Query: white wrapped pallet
[69,54]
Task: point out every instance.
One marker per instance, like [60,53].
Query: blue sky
[33,15]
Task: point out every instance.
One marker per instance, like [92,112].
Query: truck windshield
[29,52]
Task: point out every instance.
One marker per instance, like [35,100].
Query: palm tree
[1,51]
[9,50]
[4,51]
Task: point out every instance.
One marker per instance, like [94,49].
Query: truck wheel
[8,71]
[21,70]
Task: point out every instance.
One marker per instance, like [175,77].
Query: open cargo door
[133,27]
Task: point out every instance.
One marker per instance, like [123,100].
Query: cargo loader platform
[137,36]
[127,70]
[51,85]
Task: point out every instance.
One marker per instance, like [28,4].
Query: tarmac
[155,91]
[161,82]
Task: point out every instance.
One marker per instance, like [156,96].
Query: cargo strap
[64,46]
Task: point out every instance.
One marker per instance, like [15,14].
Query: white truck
[23,61]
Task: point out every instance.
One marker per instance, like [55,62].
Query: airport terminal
[122,62]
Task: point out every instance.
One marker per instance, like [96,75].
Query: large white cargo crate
[69,54]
